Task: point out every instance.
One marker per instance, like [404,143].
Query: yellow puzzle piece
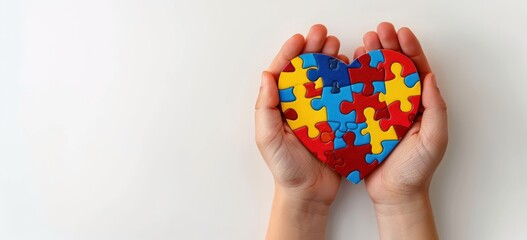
[298,77]
[396,90]
[307,116]
[377,135]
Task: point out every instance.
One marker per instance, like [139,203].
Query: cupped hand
[296,171]
[408,170]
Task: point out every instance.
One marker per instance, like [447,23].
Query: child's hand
[409,168]
[399,188]
[304,187]
[296,171]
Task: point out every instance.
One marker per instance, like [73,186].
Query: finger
[388,36]
[291,48]
[371,41]
[434,118]
[411,47]
[268,96]
[267,116]
[315,38]
[331,46]
[344,58]
[359,51]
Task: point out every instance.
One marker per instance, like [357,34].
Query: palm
[300,168]
[410,166]
[403,170]
[292,165]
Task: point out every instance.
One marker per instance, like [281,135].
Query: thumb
[434,124]
[267,116]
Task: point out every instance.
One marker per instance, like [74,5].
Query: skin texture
[305,188]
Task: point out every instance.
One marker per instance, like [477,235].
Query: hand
[399,188]
[295,169]
[304,187]
[407,172]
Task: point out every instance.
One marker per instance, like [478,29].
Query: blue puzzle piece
[339,143]
[387,147]
[411,80]
[357,130]
[331,70]
[355,64]
[354,177]
[309,60]
[287,95]
[357,87]
[376,58]
[331,101]
[333,125]
[379,87]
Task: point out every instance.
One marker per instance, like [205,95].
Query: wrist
[402,204]
[297,218]
[299,202]
[410,217]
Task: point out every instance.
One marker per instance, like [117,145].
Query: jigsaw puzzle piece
[377,135]
[331,70]
[361,102]
[411,80]
[404,121]
[396,89]
[305,114]
[308,60]
[391,57]
[331,101]
[377,57]
[291,114]
[313,89]
[387,147]
[286,95]
[379,87]
[295,73]
[355,163]
[361,71]
[321,143]
[354,177]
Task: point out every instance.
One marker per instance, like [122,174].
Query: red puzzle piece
[319,145]
[366,74]
[289,68]
[361,102]
[291,114]
[399,121]
[312,91]
[390,57]
[354,156]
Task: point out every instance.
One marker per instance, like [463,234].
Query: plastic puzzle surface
[350,116]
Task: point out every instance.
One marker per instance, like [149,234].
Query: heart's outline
[371,161]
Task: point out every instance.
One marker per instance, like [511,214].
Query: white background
[134,119]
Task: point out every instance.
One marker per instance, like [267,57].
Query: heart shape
[350,117]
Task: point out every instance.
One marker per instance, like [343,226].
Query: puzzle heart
[350,116]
